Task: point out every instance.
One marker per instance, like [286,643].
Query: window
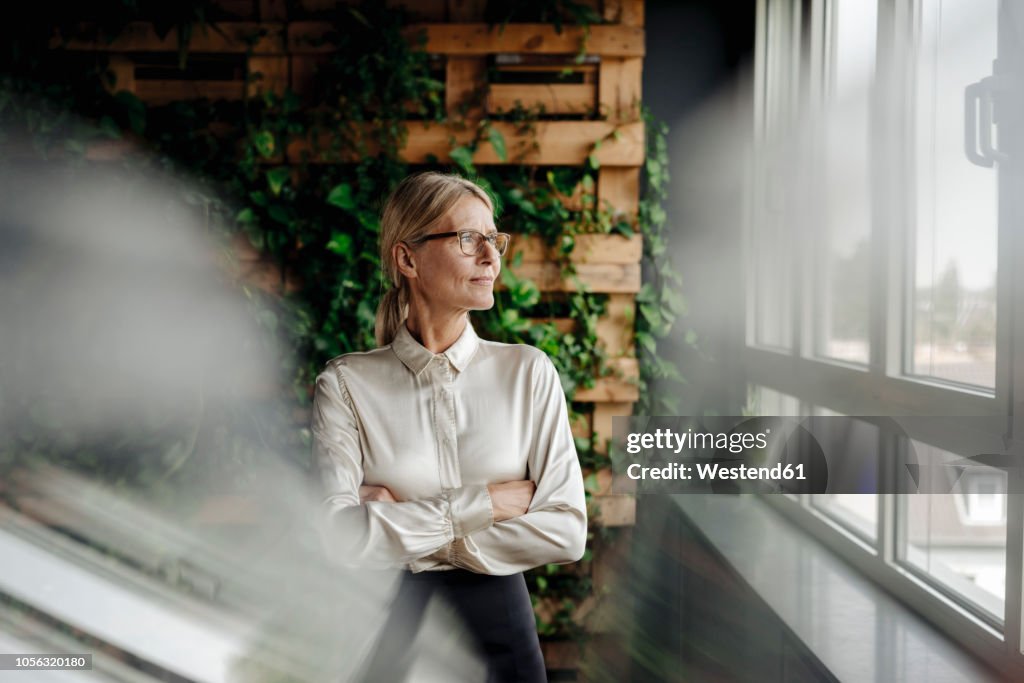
[881,188]
[953,288]
[958,539]
[856,512]
[841,277]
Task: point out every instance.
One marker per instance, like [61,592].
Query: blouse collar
[416,357]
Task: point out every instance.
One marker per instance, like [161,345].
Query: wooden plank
[618,189]
[560,655]
[482,39]
[305,37]
[273,74]
[590,248]
[625,12]
[615,327]
[466,10]
[162,92]
[273,10]
[632,13]
[617,388]
[228,37]
[237,9]
[557,142]
[123,70]
[473,39]
[595,277]
[425,10]
[563,325]
[589,71]
[611,560]
[478,39]
[551,143]
[581,426]
[464,78]
[612,510]
[602,421]
[570,98]
[302,72]
[619,82]
[579,198]
[419,10]
[599,482]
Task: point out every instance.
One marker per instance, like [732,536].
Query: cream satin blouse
[436,429]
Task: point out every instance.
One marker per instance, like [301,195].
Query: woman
[443,453]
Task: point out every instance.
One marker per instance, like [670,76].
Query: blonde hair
[411,211]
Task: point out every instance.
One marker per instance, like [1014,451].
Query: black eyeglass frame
[492,238]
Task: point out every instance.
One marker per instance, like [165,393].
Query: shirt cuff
[470,509]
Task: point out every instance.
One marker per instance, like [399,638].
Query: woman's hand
[511,498]
[376,493]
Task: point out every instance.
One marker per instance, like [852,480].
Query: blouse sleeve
[554,529]
[379,533]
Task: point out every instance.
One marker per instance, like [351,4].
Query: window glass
[764,401]
[857,443]
[954,257]
[958,539]
[771,261]
[843,266]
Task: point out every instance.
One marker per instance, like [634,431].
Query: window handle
[978,121]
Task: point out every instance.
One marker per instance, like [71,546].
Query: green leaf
[263,141]
[280,213]
[341,196]
[647,342]
[340,243]
[650,313]
[463,156]
[497,141]
[277,177]
[246,216]
[365,314]
[136,110]
[647,294]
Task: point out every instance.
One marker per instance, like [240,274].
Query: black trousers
[496,611]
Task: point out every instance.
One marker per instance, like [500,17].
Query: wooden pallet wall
[606,98]
[530,65]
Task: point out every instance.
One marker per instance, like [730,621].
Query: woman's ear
[405,259]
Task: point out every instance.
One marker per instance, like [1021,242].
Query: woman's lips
[482,280]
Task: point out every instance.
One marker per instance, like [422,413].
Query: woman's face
[448,278]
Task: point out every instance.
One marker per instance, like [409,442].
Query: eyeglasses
[472,242]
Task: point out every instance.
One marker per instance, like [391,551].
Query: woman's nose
[488,252]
